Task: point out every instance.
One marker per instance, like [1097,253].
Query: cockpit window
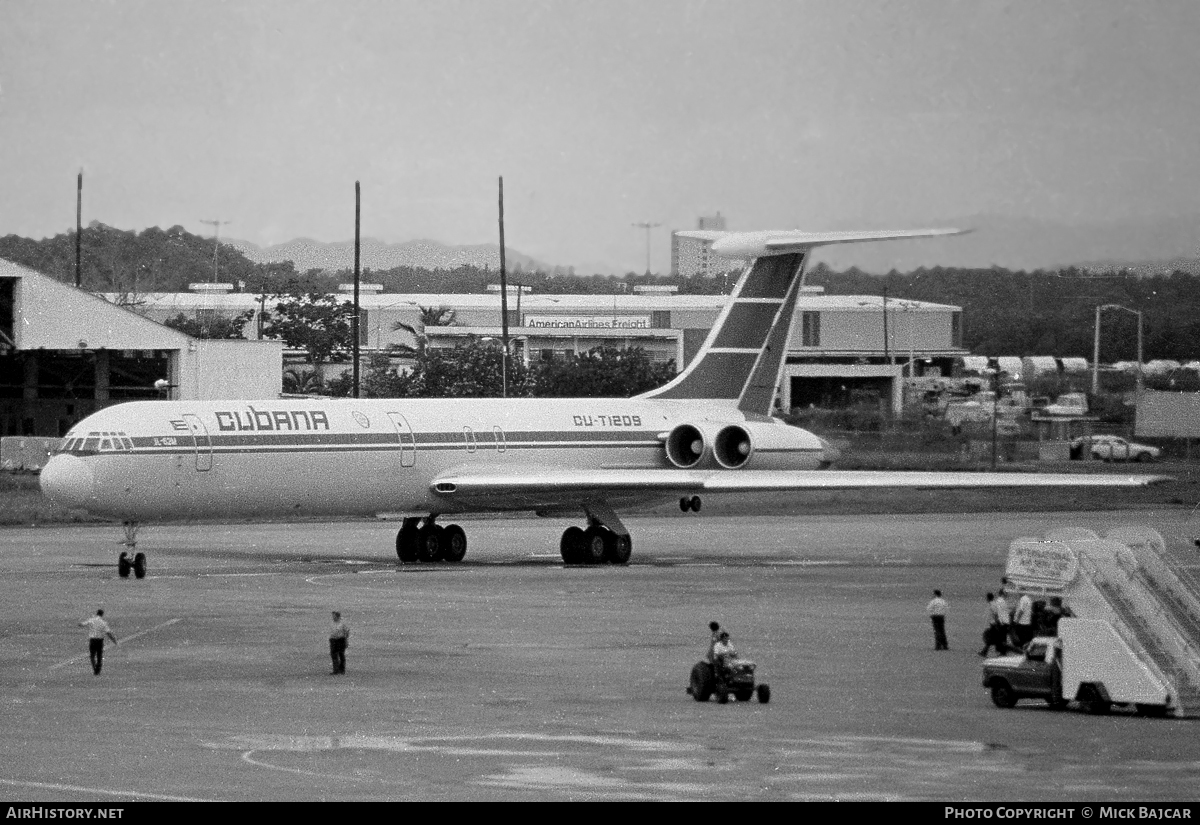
[97,442]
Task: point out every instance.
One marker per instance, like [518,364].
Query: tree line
[1005,312]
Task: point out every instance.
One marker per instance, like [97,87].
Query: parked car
[1115,448]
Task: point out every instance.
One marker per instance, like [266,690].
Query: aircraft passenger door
[200,442]
[408,442]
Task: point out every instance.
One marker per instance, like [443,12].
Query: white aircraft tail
[741,359]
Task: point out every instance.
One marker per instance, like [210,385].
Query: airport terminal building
[842,348]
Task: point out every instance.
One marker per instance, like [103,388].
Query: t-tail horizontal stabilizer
[741,359]
[786,241]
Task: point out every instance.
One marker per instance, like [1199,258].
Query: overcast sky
[599,115]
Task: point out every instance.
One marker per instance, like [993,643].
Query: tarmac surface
[511,677]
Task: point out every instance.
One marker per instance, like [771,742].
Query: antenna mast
[647,226]
[216,225]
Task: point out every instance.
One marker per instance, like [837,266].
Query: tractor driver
[723,653]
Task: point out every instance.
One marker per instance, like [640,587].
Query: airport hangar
[838,351]
[65,353]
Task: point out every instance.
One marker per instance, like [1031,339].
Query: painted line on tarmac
[130,638]
[231,575]
[246,757]
[78,789]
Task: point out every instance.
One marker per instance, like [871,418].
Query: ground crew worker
[339,640]
[996,634]
[97,630]
[723,654]
[715,629]
[937,614]
[1023,620]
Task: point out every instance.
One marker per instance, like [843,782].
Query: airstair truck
[1088,663]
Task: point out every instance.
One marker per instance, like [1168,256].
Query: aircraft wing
[543,487]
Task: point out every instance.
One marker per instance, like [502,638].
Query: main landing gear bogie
[423,540]
[595,545]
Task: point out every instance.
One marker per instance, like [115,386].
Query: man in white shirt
[1023,619]
[723,652]
[97,630]
[937,613]
[996,634]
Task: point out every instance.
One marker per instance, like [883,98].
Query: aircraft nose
[67,481]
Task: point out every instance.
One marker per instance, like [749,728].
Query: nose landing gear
[136,564]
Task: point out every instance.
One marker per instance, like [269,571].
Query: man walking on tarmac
[937,614]
[97,630]
[339,640]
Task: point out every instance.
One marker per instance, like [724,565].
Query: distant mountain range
[1020,243]
[1162,245]
[307,254]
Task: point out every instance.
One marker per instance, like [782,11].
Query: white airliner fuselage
[708,430]
[155,460]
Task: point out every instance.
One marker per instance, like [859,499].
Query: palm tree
[430,317]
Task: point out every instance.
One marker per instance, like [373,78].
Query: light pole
[911,320]
[647,227]
[1096,346]
[995,410]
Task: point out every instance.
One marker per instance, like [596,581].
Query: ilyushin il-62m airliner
[708,431]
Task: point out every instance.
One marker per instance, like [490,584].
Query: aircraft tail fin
[741,359]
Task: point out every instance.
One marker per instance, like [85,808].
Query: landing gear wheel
[571,545]
[764,694]
[723,697]
[700,685]
[454,543]
[595,539]
[429,543]
[744,695]
[124,565]
[618,549]
[407,539]
[139,565]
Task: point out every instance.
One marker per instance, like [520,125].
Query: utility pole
[1096,347]
[78,229]
[357,277]
[647,226]
[216,225]
[503,301]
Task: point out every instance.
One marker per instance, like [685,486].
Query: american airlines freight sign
[588,321]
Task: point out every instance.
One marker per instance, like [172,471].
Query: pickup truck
[1088,663]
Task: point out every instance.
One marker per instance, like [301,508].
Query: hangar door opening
[834,392]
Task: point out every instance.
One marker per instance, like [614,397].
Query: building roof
[543,302]
[52,315]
